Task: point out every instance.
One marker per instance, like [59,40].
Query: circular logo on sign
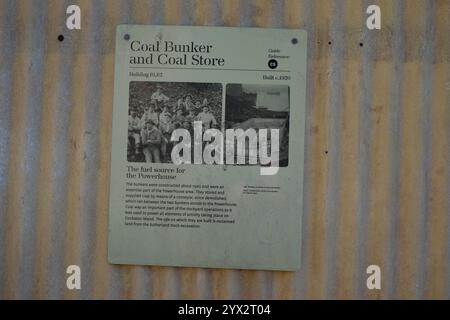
[273,64]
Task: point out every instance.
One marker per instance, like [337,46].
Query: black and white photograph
[260,107]
[158,108]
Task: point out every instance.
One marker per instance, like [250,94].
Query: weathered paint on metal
[377,153]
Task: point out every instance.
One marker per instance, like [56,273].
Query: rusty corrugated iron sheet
[377,153]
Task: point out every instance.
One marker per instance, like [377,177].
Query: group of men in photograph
[150,132]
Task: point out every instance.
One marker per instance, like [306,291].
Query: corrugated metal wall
[377,154]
